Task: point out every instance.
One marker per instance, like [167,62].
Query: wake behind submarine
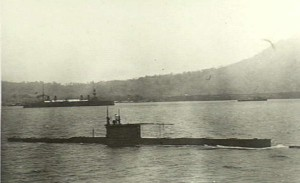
[119,135]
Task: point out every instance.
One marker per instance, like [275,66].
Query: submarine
[119,135]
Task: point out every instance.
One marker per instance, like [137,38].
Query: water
[40,162]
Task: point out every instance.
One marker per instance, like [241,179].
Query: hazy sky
[86,40]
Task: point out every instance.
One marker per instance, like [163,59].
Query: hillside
[274,70]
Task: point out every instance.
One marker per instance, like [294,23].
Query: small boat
[253,99]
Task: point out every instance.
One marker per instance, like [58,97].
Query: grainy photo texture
[150,91]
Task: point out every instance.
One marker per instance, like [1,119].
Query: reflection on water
[39,162]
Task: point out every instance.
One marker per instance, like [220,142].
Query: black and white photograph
[156,91]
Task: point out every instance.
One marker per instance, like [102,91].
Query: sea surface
[63,163]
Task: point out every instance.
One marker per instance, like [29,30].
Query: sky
[99,40]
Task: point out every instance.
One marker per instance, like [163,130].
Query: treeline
[209,84]
[149,88]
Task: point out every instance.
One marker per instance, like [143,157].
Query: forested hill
[274,70]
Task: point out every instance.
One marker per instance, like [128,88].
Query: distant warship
[94,101]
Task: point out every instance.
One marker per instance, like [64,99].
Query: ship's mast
[107,116]
[43,92]
[94,90]
[119,120]
[94,93]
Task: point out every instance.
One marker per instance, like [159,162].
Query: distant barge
[118,134]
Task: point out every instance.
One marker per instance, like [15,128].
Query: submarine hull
[250,143]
